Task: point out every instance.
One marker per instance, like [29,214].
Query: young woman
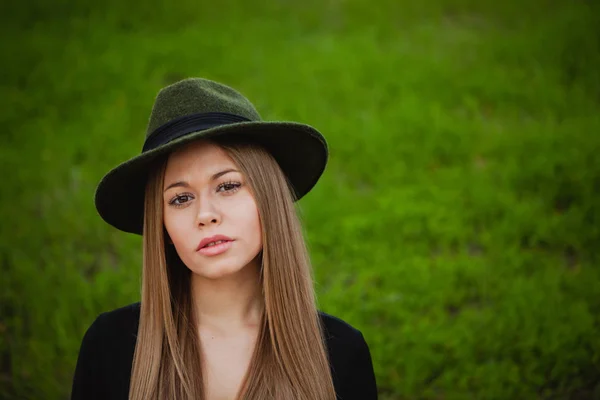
[228,308]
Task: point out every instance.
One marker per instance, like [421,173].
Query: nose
[207,214]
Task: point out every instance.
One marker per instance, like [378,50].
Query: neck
[228,304]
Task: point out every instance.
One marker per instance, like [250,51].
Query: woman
[228,308]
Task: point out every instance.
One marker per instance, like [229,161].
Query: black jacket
[106,355]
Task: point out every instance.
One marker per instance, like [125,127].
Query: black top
[104,364]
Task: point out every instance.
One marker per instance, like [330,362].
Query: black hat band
[186,124]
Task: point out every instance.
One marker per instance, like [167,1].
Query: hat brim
[299,149]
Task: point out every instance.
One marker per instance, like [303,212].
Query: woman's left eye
[228,187]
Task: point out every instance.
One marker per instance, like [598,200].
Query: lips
[211,241]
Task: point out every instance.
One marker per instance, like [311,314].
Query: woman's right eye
[177,200]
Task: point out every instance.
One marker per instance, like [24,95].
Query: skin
[225,287]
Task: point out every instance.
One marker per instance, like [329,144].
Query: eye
[228,187]
[176,201]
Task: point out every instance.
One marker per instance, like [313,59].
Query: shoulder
[350,359]
[337,327]
[106,355]
[113,334]
[342,338]
[122,318]
[117,327]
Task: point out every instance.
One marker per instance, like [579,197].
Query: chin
[216,271]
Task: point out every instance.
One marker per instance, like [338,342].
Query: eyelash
[236,186]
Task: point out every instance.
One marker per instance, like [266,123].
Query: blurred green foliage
[456,225]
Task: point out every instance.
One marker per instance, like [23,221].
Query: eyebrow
[212,178]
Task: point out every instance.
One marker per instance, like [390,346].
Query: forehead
[198,157]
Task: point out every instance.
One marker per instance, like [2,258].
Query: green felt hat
[197,108]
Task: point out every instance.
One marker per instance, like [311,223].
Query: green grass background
[457,224]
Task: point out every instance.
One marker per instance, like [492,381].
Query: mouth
[213,241]
[216,247]
[218,242]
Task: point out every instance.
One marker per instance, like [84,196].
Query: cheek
[248,212]
[175,225]
[169,222]
[255,227]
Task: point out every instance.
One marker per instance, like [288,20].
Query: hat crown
[198,95]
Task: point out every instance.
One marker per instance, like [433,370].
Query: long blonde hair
[290,359]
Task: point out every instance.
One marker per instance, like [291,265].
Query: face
[205,195]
